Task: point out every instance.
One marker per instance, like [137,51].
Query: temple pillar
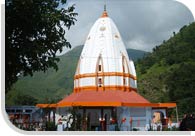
[54,115]
[102,120]
[84,126]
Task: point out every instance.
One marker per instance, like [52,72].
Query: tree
[181,83]
[35,31]
[23,99]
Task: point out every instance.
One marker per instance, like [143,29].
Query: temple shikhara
[105,95]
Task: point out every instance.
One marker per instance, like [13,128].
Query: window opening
[100,82]
[100,68]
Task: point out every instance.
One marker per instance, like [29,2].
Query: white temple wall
[126,81]
[90,81]
[133,83]
[108,80]
[110,65]
[148,115]
[132,68]
[140,117]
[87,64]
[112,80]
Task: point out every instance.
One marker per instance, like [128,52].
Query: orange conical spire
[104,14]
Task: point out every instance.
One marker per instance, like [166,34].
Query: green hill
[53,85]
[168,73]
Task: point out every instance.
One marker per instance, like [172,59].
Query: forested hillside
[168,73]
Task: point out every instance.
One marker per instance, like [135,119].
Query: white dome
[104,63]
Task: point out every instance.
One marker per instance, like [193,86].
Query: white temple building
[105,85]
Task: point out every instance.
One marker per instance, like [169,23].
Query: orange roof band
[107,104]
[46,105]
[154,105]
[105,74]
[105,88]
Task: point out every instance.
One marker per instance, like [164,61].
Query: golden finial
[104,14]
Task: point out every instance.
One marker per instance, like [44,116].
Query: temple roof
[102,98]
[105,99]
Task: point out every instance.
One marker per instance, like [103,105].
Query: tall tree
[35,31]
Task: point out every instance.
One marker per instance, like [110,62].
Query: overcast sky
[143,24]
